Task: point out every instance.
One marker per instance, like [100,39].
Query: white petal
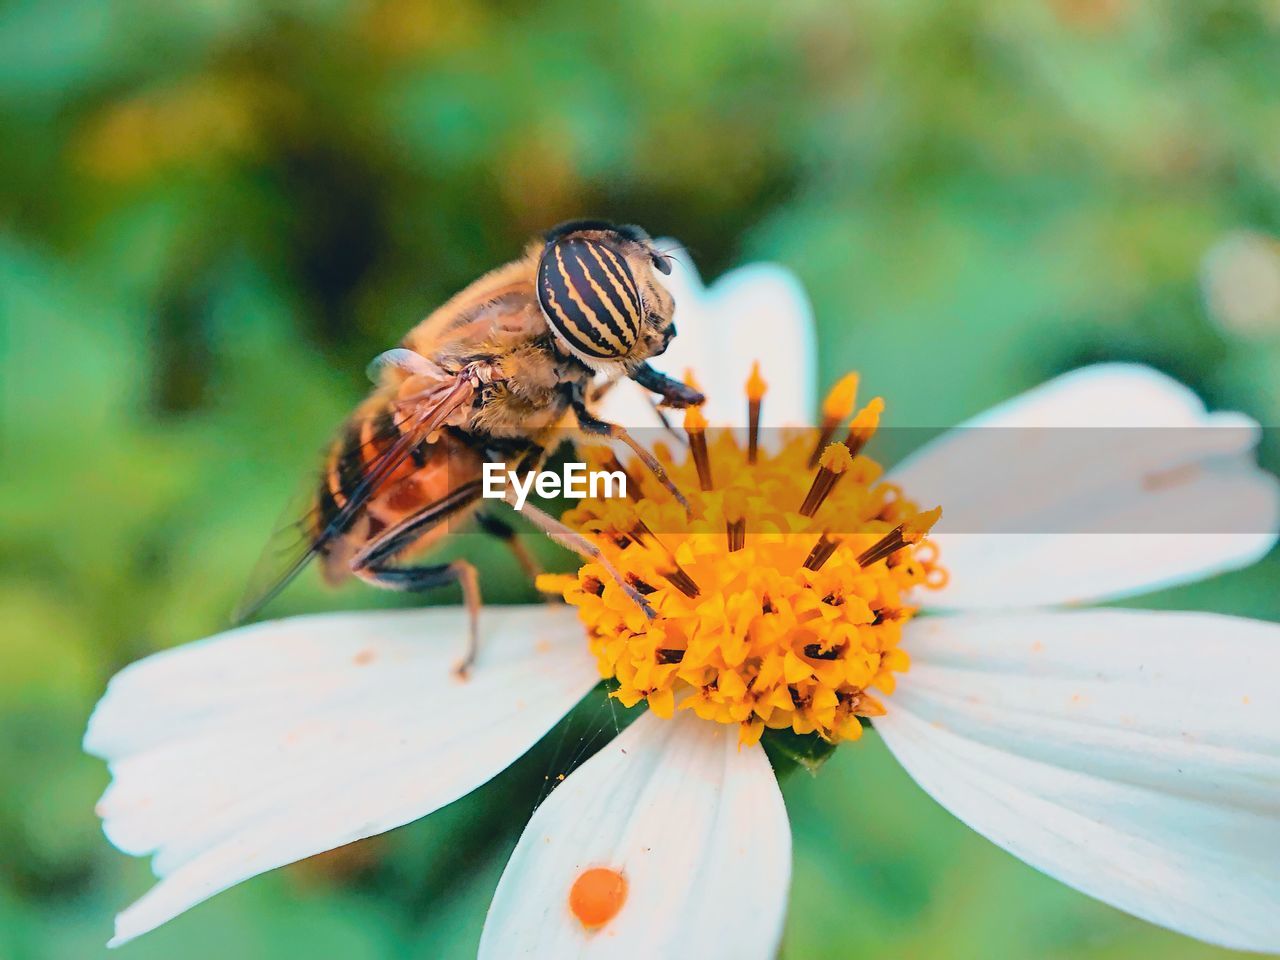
[760,312]
[1101,395]
[1106,482]
[1132,755]
[267,744]
[757,312]
[696,826]
[694,318]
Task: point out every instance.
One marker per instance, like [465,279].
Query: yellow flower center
[780,596]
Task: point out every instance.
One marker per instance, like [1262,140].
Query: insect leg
[417,579]
[499,528]
[373,563]
[674,393]
[666,422]
[393,540]
[570,539]
[601,390]
[591,424]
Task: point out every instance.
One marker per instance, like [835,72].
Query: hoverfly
[489,376]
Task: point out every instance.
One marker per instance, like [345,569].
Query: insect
[492,375]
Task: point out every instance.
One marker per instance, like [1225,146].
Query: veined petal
[756,312]
[270,743]
[695,825]
[1106,482]
[1132,755]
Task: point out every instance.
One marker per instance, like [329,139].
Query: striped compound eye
[590,298]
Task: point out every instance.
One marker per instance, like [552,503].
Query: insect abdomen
[364,437]
[590,298]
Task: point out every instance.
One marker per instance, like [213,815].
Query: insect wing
[294,544]
[302,532]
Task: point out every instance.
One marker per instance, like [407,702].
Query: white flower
[1133,755]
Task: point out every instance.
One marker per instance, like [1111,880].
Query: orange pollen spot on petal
[597,895]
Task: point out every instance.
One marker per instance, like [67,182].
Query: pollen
[780,595]
[756,386]
[597,895]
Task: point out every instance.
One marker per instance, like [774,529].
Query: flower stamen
[772,608]
[835,460]
[838,405]
[695,427]
[682,582]
[735,522]
[909,531]
[736,531]
[756,389]
[821,552]
[863,427]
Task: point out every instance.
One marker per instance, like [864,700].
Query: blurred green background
[212,214]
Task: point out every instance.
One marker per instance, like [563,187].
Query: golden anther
[863,427]
[841,399]
[835,408]
[756,385]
